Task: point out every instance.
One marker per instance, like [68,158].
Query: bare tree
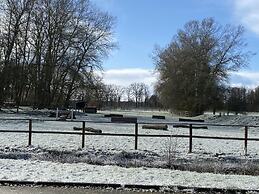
[146,95]
[15,19]
[128,93]
[113,95]
[137,91]
[118,91]
[50,49]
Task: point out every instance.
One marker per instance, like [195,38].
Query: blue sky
[142,24]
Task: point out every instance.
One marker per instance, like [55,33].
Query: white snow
[36,170]
[154,144]
[23,170]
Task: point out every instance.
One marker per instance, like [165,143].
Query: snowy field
[55,157]
[156,145]
[80,172]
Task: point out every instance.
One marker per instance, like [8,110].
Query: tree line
[50,49]
[136,95]
[241,99]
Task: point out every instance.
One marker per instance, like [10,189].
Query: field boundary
[136,133]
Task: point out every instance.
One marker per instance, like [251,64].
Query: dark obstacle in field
[92,110]
[124,120]
[190,120]
[90,129]
[156,127]
[187,126]
[113,115]
[158,117]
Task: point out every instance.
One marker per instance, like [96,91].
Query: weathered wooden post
[72,115]
[190,139]
[30,132]
[57,114]
[246,136]
[83,135]
[136,136]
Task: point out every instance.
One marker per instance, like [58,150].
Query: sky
[143,24]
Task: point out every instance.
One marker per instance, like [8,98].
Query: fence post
[72,115]
[30,132]
[190,139]
[57,114]
[83,135]
[136,136]
[246,135]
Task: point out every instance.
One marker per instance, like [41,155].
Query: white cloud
[248,75]
[125,77]
[245,78]
[248,12]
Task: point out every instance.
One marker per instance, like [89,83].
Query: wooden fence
[136,134]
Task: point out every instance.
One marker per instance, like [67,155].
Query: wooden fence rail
[136,134]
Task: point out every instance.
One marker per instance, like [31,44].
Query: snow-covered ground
[153,144]
[63,172]
[60,157]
